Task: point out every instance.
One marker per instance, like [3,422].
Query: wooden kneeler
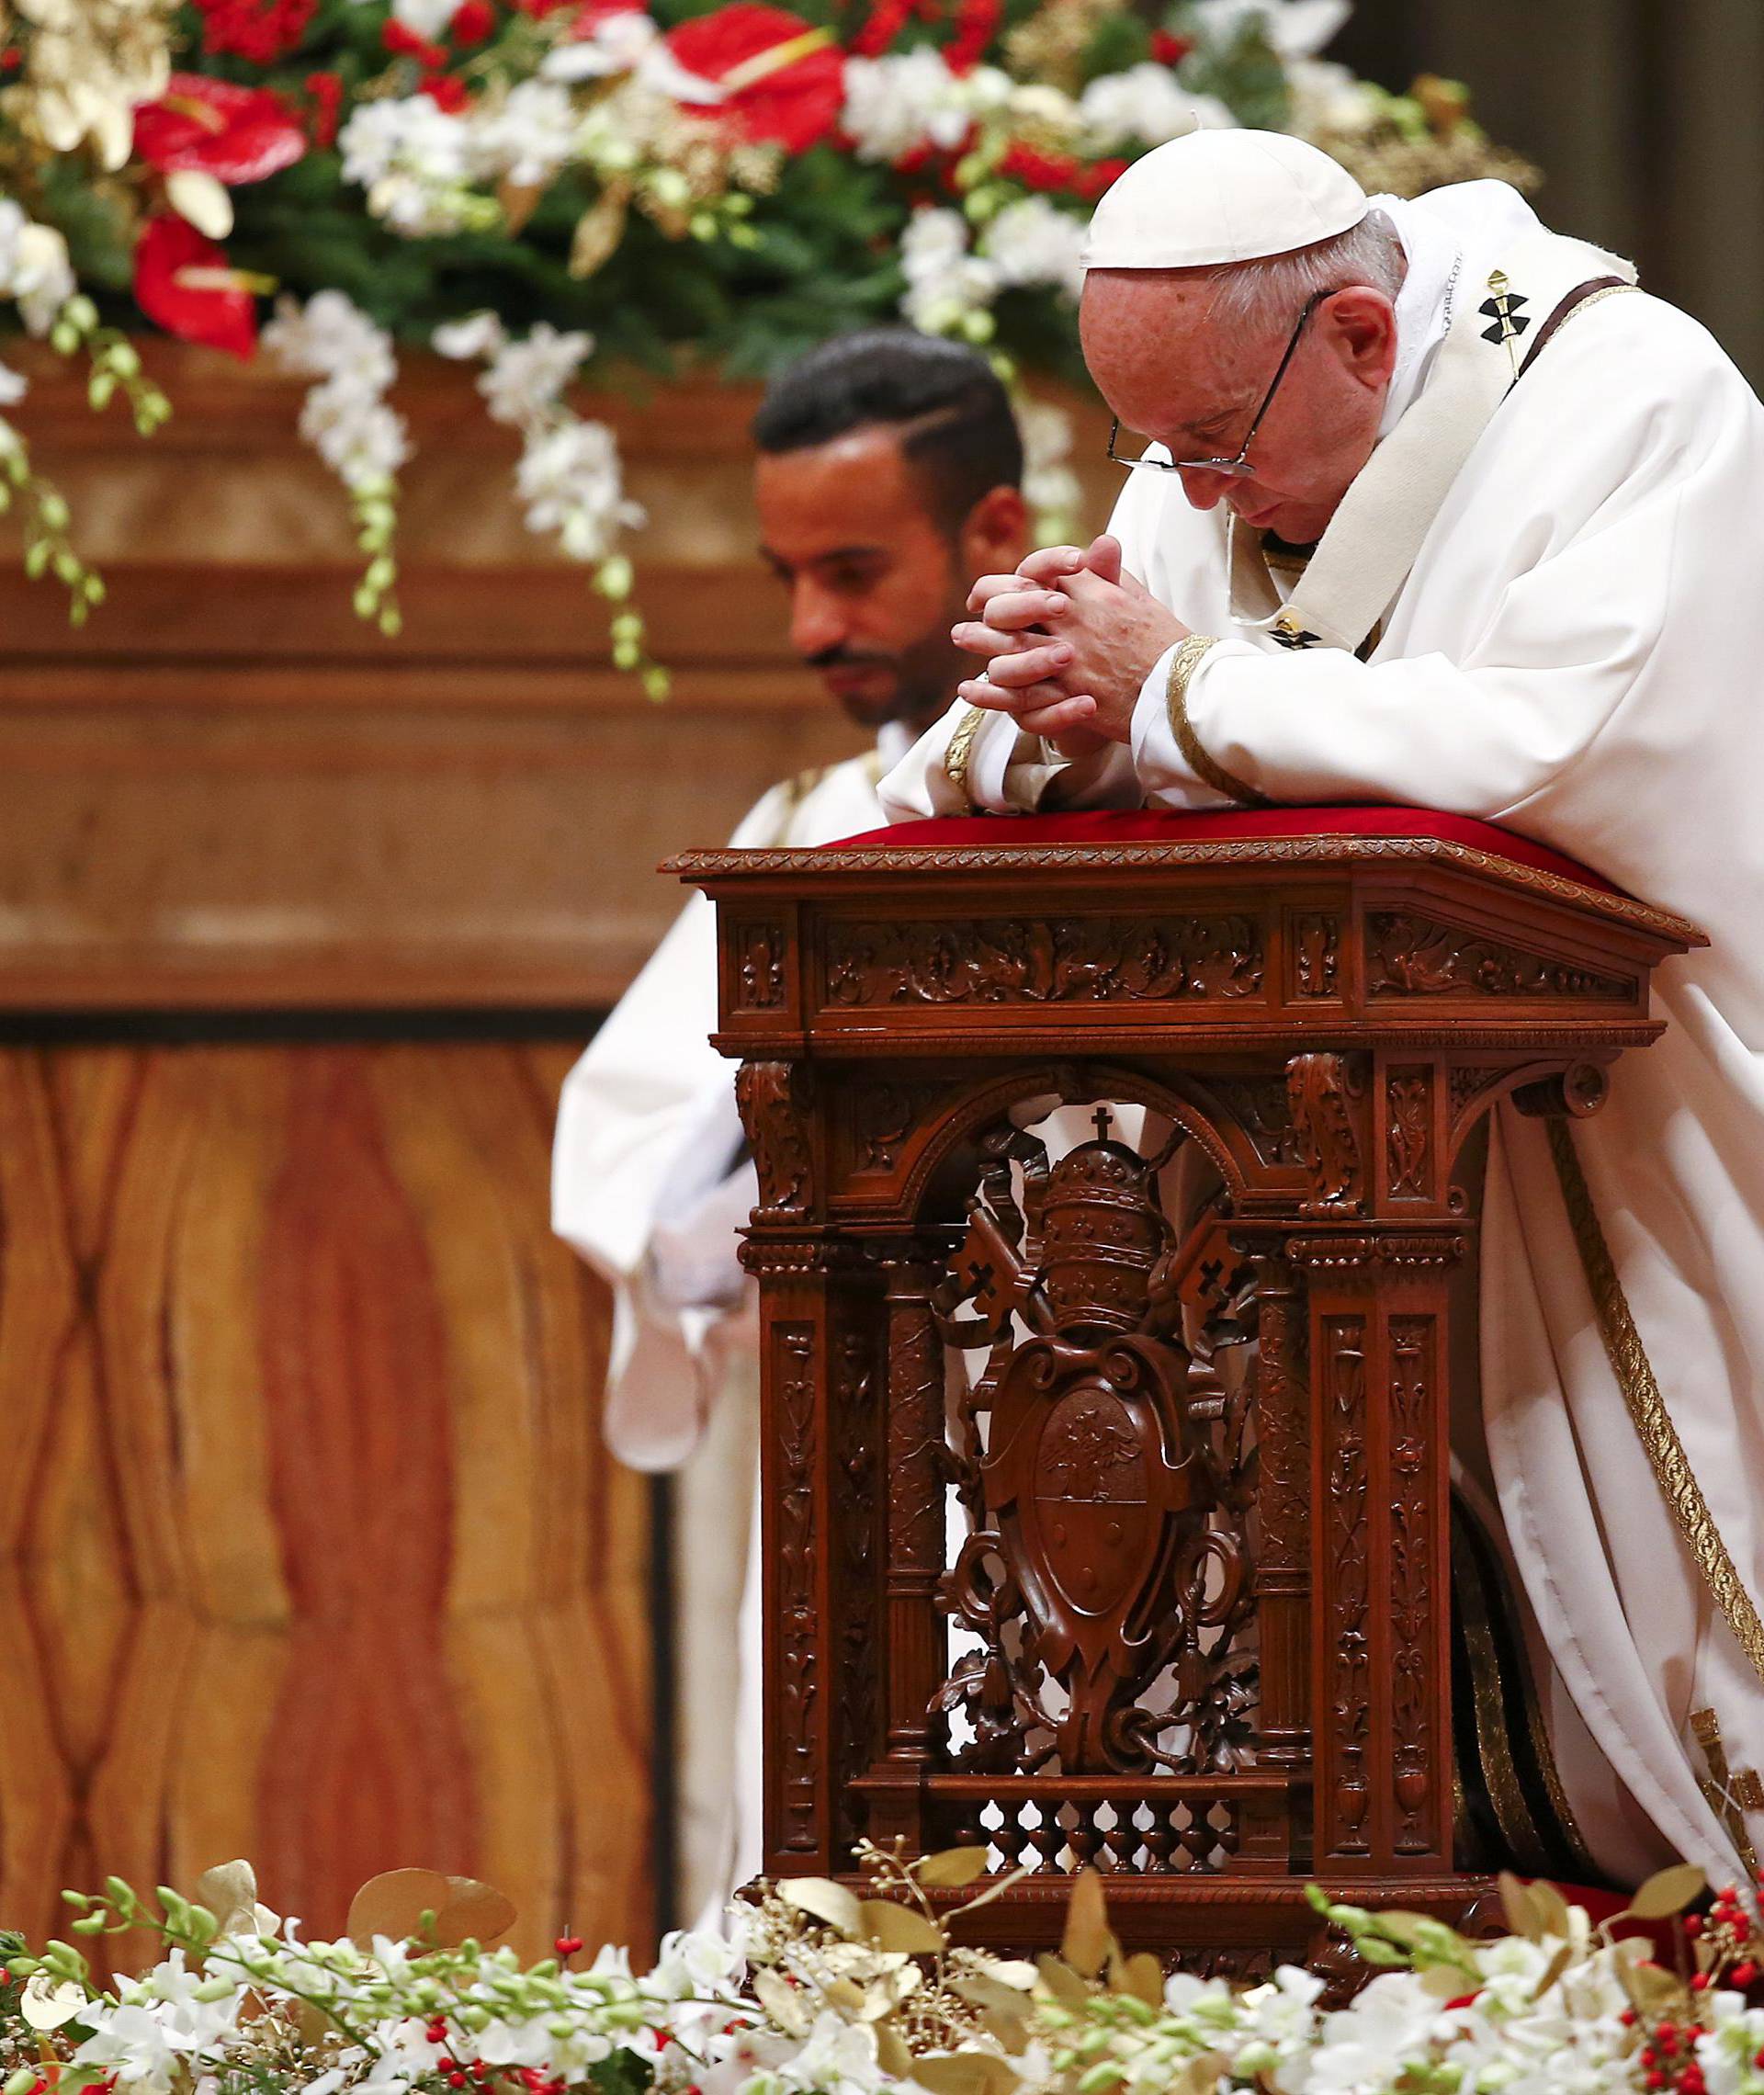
[1107,1224]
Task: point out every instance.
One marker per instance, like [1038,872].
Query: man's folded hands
[1068,640]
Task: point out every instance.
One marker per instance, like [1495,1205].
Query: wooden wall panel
[226,791]
[308,1549]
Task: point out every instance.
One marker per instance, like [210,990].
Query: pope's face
[875,580]
[1173,376]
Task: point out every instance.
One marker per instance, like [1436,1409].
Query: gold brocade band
[1652,1423]
[1182,666]
[960,750]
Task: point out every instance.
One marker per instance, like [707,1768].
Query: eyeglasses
[1235,467]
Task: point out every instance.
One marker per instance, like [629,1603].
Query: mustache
[847,658]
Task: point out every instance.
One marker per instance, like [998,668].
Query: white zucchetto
[1219,196]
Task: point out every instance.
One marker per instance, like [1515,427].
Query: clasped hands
[1069,641]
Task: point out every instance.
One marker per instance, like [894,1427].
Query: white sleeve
[647,1134]
[1165,774]
[1008,772]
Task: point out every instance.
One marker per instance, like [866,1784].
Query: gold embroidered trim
[1491,1696]
[1182,666]
[1646,1407]
[1730,1794]
[797,789]
[960,750]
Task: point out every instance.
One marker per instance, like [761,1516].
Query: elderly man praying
[1434,507]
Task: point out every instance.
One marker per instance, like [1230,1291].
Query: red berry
[567,1945]
[1699,1984]
[1693,1925]
[1627,2018]
[1657,2079]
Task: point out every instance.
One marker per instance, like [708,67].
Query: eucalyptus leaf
[1668,1891]
[951,1869]
[893,1927]
[1086,1942]
[826,1900]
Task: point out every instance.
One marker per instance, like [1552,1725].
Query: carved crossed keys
[1096,1565]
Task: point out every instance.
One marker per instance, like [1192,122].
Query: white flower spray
[348,423]
[570,480]
[819,1992]
[36,277]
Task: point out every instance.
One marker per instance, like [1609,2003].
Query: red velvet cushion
[1223,825]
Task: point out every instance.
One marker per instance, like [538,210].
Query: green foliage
[622,2074]
[1120,41]
[1245,74]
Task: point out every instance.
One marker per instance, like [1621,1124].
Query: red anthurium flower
[783,80]
[472,22]
[211,127]
[183,283]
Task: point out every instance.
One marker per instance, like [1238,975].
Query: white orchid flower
[47,2006]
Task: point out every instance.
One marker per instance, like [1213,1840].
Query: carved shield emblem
[1090,1493]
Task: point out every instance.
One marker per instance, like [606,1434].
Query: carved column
[1283,1542]
[916,1471]
[1380,1544]
[785,1253]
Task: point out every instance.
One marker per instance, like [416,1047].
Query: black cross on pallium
[1506,321]
[1293,636]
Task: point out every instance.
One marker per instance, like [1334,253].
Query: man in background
[888,481]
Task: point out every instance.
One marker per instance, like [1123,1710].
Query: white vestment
[1572,656]
[649,1182]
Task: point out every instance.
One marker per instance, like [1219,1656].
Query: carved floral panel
[1414,955]
[1008,960]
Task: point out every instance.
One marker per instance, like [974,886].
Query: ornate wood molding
[1412,955]
[1276,852]
[1006,960]
[796,1613]
[1324,1090]
[773,1099]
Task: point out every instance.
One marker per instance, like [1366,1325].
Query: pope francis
[1431,505]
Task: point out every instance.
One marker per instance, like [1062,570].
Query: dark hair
[953,416]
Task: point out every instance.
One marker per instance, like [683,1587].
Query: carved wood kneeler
[1106,1230]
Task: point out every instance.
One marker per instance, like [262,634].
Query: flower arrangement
[816,1990]
[556,188]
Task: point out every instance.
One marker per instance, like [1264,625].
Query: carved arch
[1072,1083]
[1580,1082]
